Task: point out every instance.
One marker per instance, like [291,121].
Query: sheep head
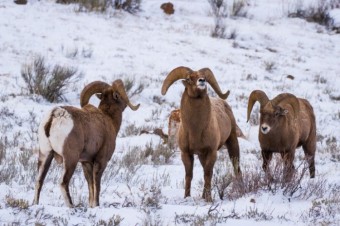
[194,81]
[271,110]
[106,93]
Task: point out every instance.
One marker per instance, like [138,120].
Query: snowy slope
[144,47]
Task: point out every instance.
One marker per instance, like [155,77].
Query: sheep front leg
[88,172]
[43,166]
[267,157]
[188,161]
[289,169]
[208,161]
[309,149]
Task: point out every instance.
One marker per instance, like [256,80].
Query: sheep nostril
[264,128]
[201,80]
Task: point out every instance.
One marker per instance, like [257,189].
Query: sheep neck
[114,114]
[195,114]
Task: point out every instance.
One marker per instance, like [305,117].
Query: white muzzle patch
[265,128]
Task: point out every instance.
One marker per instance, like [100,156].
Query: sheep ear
[115,96]
[280,111]
[99,96]
[283,111]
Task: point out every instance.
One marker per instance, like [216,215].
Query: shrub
[16,203]
[115,220]
[94,5]
[238,8]
[219,8]
[132,160]
[325,210]
[318,13]
[160,154]
[333,149]
[132,88]
[151,196]
[221,178]
[276,182]
[131,6]
[130,130]
[220,11]
[50,83]
[270,66]
[2,152]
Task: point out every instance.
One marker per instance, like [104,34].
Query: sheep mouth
[201,86]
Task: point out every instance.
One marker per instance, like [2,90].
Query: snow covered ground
[266,47]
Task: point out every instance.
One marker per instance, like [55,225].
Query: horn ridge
[176,74]
[288,98]
[90,89]
[118,85]
[256,95]
[210,78]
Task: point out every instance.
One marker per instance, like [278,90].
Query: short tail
[48,124]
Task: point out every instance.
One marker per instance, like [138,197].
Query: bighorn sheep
[206,124]
[173,127]
[86,135]
[286,122]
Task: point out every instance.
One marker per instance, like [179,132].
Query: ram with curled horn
[286,123]
[206,124]
[87,135]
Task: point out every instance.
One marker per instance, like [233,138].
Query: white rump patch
[265,128]
[44,143]
[62,124]
[61,127]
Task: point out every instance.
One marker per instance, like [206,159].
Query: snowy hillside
[261,48]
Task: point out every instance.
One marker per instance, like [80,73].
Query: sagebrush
[49,82]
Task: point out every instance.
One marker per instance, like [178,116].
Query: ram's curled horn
[173,76]
[256,95]
[90,89]
[119,86]
[210,78]
[288,98]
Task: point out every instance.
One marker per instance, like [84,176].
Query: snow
[145,47]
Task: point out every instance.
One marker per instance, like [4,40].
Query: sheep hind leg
[88,172]
[43,166]
[98,170]
[208,162]
[188,162]
[289,169]
[69,167]
[309,150]
[234,153]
